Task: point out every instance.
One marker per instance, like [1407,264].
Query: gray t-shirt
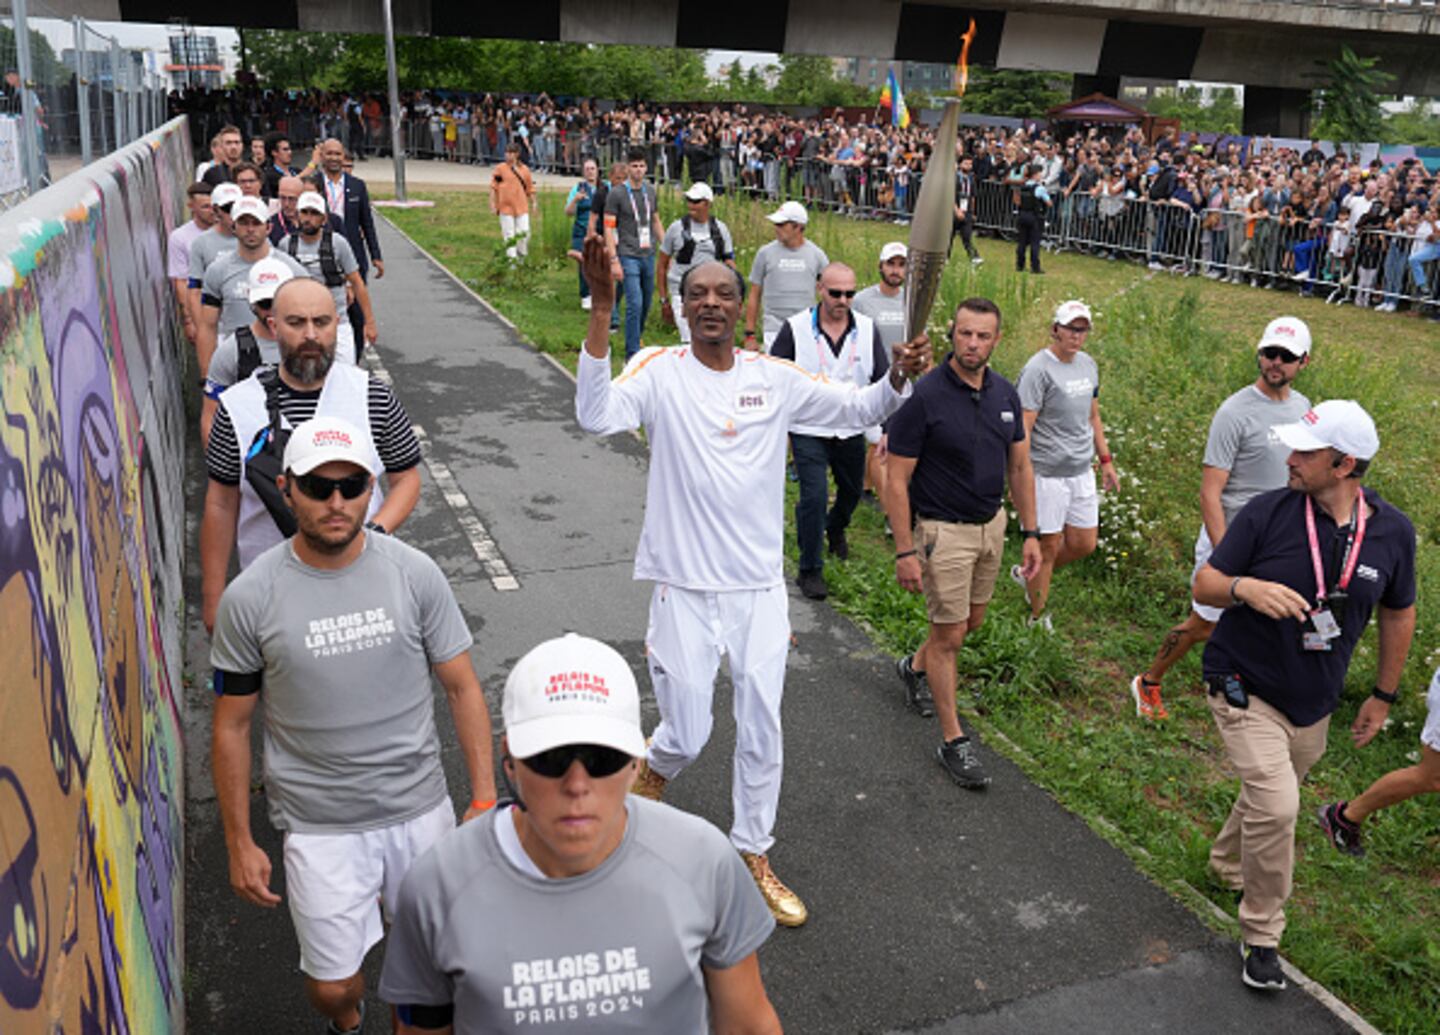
[205,249]
[710,239]
[1063,442]
[1242,443]
[617,949]
[224,369]
[787,276]
[309,256]
[887,313]
[632,209]
[350,741]
[227,285]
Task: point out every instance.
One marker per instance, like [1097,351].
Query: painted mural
[91,544]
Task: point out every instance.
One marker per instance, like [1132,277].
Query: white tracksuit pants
[689,632]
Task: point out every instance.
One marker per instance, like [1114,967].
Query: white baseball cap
[1067,313]
[266,276]
[311,201]
[1336,424]
[322,440]
[572,690]
[253,207]
[699,192]
[790,212]
[1289,333]
[893,250]
[225,194]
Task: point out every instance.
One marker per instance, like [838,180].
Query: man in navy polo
[952,448]
[1309,563]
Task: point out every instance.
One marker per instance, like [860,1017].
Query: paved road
[932,909]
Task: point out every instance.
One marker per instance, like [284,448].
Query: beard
[308,364]
[331,543]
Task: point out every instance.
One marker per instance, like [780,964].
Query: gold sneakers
[785,905]
[648,783]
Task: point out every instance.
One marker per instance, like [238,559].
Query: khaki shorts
[958,565]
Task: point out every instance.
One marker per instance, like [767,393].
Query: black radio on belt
[1231,687]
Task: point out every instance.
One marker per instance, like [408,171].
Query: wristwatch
[1389,697]
[1029,533]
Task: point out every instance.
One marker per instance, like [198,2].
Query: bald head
[288,191]
[304,322]
[835,289]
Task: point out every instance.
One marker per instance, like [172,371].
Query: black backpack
[247,354]
[265,459]
[686,251]
[329,268]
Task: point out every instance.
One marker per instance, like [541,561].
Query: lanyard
[335,193]
[635,210]
[1352,547]
[851,341]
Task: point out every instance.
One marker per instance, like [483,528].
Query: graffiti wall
[91,545]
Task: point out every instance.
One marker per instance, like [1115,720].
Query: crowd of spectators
[1239,208]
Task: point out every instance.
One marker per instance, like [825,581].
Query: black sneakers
[917,688]
[839,545]
[957,757]
[1343,834]
[1262,968]
[812,584]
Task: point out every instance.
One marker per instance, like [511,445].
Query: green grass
[1169,350]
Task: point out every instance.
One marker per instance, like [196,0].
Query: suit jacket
[359,220]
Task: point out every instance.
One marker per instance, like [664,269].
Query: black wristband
[376,526]
[1381,695]
[904,553]
[1029,533]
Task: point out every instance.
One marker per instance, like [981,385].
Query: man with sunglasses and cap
[1243,459]
[694,238]
[717,419]
[248,348]
[239,509]
[617,913]
[1299,573]
[830,341]
[225,287]
[339,630]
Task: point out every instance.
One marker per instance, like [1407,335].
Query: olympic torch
[930,225]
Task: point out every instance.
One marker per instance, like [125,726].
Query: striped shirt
[389,426]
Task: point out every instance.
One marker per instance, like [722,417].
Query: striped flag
[892,98]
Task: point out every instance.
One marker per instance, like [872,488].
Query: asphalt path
[931,909]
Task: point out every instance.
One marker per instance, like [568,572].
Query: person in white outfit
[717,418]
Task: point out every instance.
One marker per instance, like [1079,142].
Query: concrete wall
[91,545]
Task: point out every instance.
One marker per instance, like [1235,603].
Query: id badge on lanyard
[821,347]
[1323,625]
[642,226]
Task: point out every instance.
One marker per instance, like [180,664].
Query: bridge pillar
[1276,111]
[1085,85]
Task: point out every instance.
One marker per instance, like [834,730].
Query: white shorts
[337,885]
[344,340]
[1072,501]
[1430,735]
[1203,549]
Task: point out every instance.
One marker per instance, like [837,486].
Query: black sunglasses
[598,760]
[351,486]
[1273,352]
[837,293]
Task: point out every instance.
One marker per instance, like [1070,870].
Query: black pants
[845,458]
[965,230]
[356,316]
[1028,229]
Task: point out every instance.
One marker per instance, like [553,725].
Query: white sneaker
[977,261]
[585,303]
[1043,622]
[1303,276]
[1019,579]
[1156,266]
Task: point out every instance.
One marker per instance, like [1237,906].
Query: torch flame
[962,69]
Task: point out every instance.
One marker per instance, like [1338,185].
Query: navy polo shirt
[961,439]
[1267,540]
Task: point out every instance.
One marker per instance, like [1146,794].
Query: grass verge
[1169,350]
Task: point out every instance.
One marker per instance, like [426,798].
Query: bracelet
[904,553]
[1106,458]
[476,803]
[1233,583]
[749,334]
[1381,695]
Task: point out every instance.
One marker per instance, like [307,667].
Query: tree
[45,68]
[1004,91]
[1415,125]
[1221,114]
[810,80]
[1350,99]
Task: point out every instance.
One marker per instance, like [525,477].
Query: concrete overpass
[1271,46]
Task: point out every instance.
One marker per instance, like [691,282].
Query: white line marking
[486,552]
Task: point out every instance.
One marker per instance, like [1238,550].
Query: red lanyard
[1352,548]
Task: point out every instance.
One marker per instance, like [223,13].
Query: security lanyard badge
[1323,624]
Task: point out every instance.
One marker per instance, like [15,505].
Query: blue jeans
[1418,258]
[813,457]
[1394,273]
[639,289]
